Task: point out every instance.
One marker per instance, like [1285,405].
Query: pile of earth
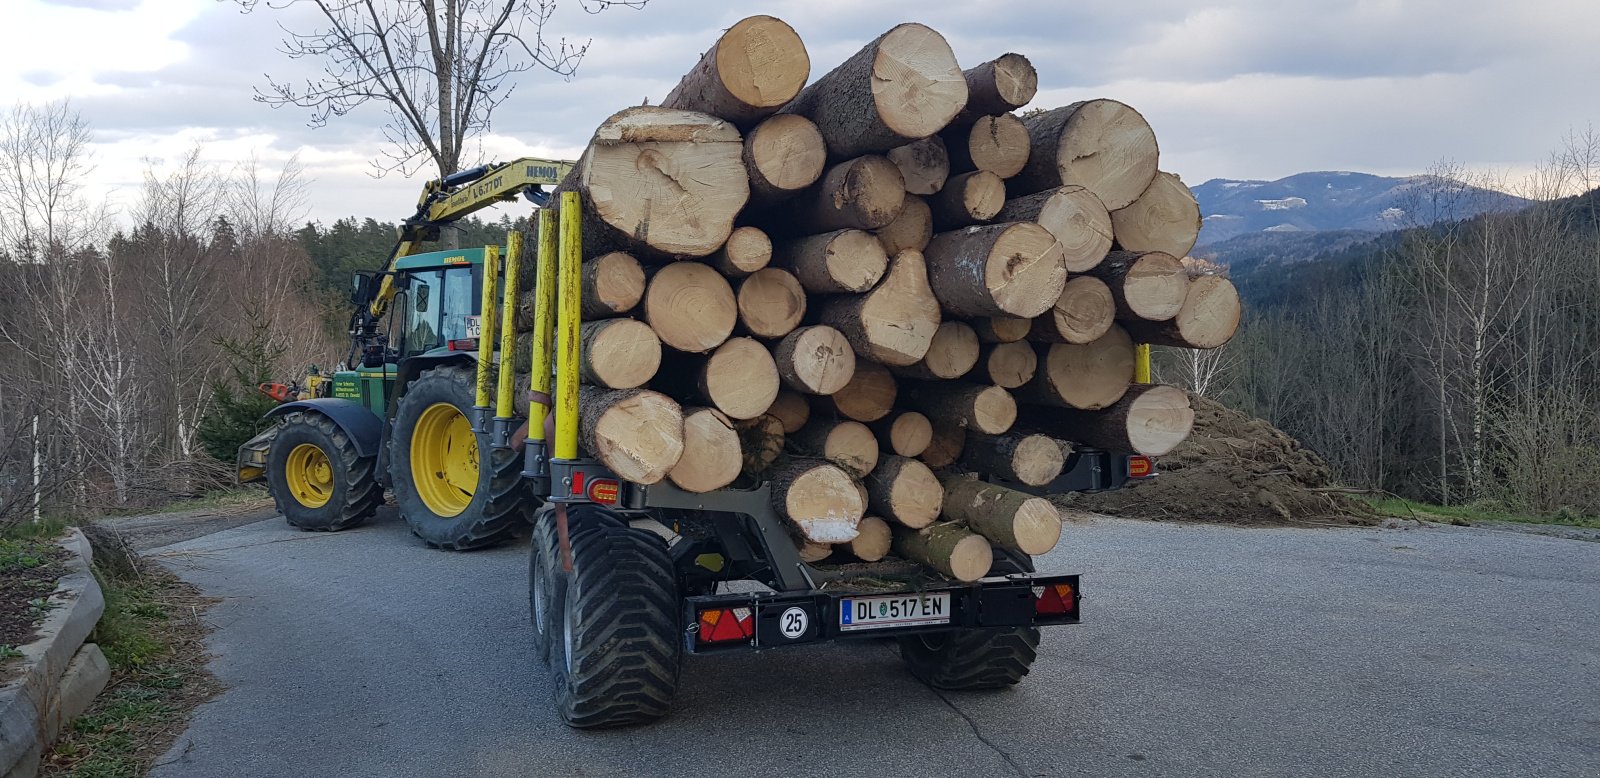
[1234,469]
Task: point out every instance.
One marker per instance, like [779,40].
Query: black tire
[621,641]
[501,504]
[547,581]
[975,659]
[354,494]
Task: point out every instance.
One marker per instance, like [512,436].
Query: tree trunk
[712,457]
[636,433]
[1001,329]
[873,539]
[901,87]
[756,67]
[864,193]
[1007,365]
[969,198]
[1165,218]
[1087,376]
[748,249]
[1006,517]
[1083,313]
[791,409]
[1208,319]
[739,378]
[905,490]
[904,433]
[815,360]
[951,354]
[894,323]
[923,164]
[820,498]
[1149,286]
[783,155]
[1101,145]
[1071,213]
[910,231]
[835,262]
[1150,419]
[617,353]
[1001,85]
[638,194]
[613,284]
[1030,459]
[848,444]
[996,270]
[947,548]
[771,303]
[868,396]
[949,437]
[997,144]
[987,409]
[690,306]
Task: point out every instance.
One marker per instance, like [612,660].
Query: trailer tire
[975,659]
[547,581]
[318,481]
[621,642]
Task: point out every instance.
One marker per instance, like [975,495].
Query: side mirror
[361,288]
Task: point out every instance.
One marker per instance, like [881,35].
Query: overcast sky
[1233,88]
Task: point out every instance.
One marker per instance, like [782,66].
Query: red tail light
[604,490]
[1054,600]
[1140,467]
[722,625]
[463,344]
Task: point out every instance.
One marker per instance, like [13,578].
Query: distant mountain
[1322,201]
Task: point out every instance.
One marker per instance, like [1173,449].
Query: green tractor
[411,411]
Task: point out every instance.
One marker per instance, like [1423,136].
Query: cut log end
[740,378]
[1158,419]
[1208,319]
[999,86]
[815,360]
[1009,365]
[1002,329]
[690,306]
[906,491]
[618,353]
[613,283]
[873,539]
[948,548]
[951,354]
[757,66]
[783,155]
[1151,286]
[894,323]
[917,87]
[1074,215]
[906,433]
[864,193]
[748,249]
[910,231]
[923,164]
[1102,145]
[996,144]
[1085,376]
[636,433]
[869,394]
[837,262]
[771,303]
[791,410]
[993,411]
[822,500]
[1083,313]
[712,456]
[1012,269]
[1165,218]
[969,198]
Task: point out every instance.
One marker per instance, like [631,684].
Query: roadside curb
[61,674]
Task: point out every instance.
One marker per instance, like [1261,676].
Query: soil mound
[1234,469]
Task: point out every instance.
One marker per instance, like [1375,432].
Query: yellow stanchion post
[1141,363]
[486,330]
[544,319]
[567,304]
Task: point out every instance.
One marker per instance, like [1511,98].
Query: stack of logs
[869,290]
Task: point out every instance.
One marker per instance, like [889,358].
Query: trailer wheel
[973,659]
[317,479]
[455,491]
[547,582]
[620,638]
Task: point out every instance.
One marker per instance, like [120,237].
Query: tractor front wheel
[317,478]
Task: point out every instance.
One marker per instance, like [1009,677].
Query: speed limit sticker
[793,622]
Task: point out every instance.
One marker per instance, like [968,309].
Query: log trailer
[624,578]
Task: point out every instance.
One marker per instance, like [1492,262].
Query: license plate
[474,326]
[899,610]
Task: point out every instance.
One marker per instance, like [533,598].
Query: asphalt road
[1206,651]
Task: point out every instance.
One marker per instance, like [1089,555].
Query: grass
[216,499]
[1474,513]
[28,572]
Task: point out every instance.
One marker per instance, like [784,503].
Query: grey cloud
[96,5]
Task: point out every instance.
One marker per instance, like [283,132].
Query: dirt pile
[1234,469]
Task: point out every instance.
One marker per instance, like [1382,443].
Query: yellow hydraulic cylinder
[544,319]
[504,400]
[568,299]
[486,320]
[1141,363]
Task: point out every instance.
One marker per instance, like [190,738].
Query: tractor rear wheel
[317,478]
[547,581]
[620,639]
[455,491]
[973,659]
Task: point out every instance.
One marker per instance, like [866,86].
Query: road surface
[1206,651]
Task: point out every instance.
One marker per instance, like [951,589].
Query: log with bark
[924,165]
[1149,286]
[905,433]
[739,378]
[756,67]
[1083,313]
[617,353]
[1012,269]
[1071,213]
[613,283]
[998,144]
[848,444]
[820,498]
[1006,517]
[981,407]
[836,262]
[1209,317]
[1001,329]
[969,198]
[660,182]
[910,231]
[905,491]
[690,306]
[783,155]
[1102,145]
[1085,376]
[873,538]
[1007,365]
[894,323]
[748,249]
[948,548]
[868,396]
[1028,458]
[1150,419]
[771,303]
[1165,218]
[712,457]
[903,86]
[792,409]
[864,193]
[1001,85]
[760,443]
[636,433]
[815,360]
[951,354]
[944,448]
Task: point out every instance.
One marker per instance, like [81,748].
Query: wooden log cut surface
[948,548]
[905,490]
[952,353]
[1208,319]
[910,231]
[1102,145]
[923,164]
[997,144]
[613,283]
[1012,269]
[848,444]
[748,249]
[873,539]
[1007,517]
[711,457]
[740,378]
[1002,329]
[1008,365]
[836,262]
[1033,459]
[906,433]
[690,306]
[1151,419]
[1083,313]
[820,498]
[1165,218]
[636,433]
[815,360]
[618,353]
[756,67]
[894,323]
[1074,215]
[969,198]
[868,396]
[783,155]
[1150,286]
[987,409]
[1086,376]
[864,193]
[1001,85]
[791,409]
[771,303]
[949,437]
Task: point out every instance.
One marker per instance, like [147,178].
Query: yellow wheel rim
[444,460]
[309,475]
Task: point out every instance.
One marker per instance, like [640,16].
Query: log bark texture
[1006,517]
[944,448]
[905,491]
[837,262]
[756,67]
[760,443]
[894,323]
[997,144]
[1001,85]
[987,409]
[1031,459]
[1012,269]
[1151,286]
[969,198]
[863,193]
[636,433]
[1071,213]
[1102,145]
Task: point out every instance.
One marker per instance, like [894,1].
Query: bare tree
[438,67]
